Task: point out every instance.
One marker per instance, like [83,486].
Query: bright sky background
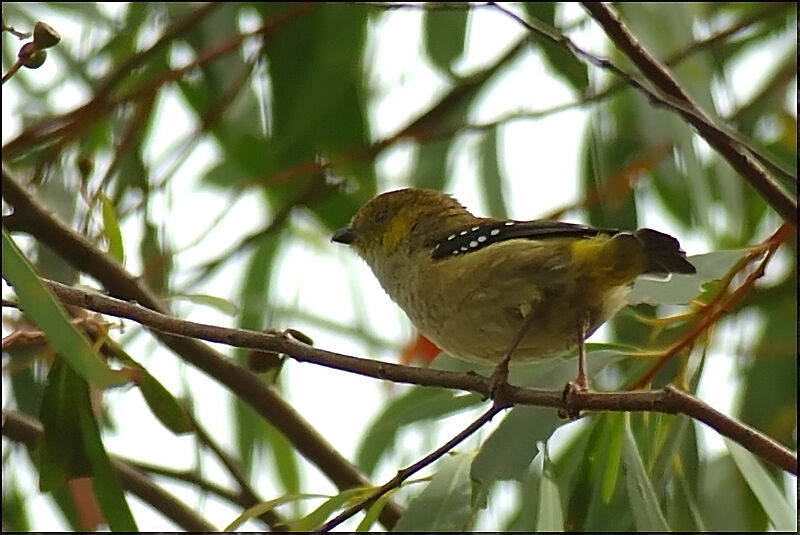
[539,164]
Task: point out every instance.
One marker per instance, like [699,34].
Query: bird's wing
[490,231]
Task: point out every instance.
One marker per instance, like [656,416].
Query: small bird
[490,290]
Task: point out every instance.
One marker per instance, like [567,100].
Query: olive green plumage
[469,283]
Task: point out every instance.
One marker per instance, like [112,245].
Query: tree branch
[734,152]
[31,217]
[668,400]
[22,428]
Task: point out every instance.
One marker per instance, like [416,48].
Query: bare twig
[722,302]
[409,471]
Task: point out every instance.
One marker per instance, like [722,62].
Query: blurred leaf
[284,458]
[72,446]
[446,502]
[602,159]
[616,430]
[111,229]
[62,452]
[319,515]
[373,513]
[780,513]
[264,507]
[431,166]
[164,405]
[15,515]
[769,390]
[156,258]
[680,288]
[509,450]
[524,517]
[445,32]
[316,59]
[644,503]
[46,311]
[417,405]
[558,58]
[683,511]
[740,509]
[490,177]
[551,516]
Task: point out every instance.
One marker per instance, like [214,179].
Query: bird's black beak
[344,235]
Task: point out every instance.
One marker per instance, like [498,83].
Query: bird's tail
[663,253]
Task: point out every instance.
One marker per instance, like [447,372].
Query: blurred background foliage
[258,129]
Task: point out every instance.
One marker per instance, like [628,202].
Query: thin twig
[409,471]
[722,302]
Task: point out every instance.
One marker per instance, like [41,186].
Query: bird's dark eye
[381,216]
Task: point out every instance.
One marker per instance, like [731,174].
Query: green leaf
[164,405]
[284,457]
[431,165]
[770,497]
[156,258]
[72,446]
[418,404]
[509,450]
[61,453]
[108,491]
[116,247]
[490,177]
[373,513]
[446,502]
[160,400]
[46,311]
[551,515]
[557,56]
[444,34]
[319,515]
[616,427]
[681,289]
[15,514]
[264,507]
[646,510]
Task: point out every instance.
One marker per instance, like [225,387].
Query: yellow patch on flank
[609,261]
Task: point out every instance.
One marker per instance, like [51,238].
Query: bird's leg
[499,379]
[581,383]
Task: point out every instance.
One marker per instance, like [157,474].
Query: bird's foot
[572,390]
